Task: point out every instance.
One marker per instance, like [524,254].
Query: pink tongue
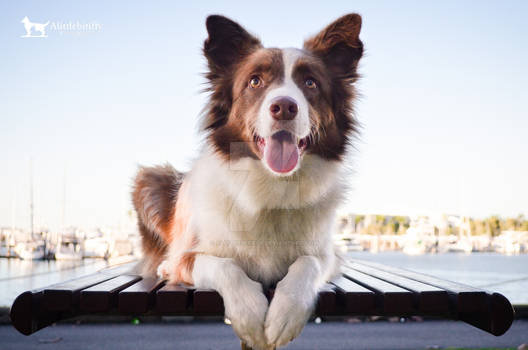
[281,152]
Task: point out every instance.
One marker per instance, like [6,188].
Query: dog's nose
[283,108]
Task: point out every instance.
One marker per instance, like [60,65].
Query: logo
[59,27]
[32,27]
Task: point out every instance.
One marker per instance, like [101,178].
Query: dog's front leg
[245,304]
[293,301]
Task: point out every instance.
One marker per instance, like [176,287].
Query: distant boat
[347,243]
[68,248]
[511,242]
[7,245]
[417,242]
[30,250]
[6,250]
[96,247]
[457,245]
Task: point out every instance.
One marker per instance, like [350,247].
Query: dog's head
[25,20]
[277,105]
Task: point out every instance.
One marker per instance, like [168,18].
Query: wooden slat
[390,299]
[172,299]
[29,312]
[28,316]
[353,298]
[207,302]
[326,301]
[65,296]
[495,319]
[428,298]
[463,298]
[139,297]
[102,297]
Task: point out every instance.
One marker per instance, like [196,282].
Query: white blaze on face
[300,126]
[281,150]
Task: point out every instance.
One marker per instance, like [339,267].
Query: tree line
[384,224]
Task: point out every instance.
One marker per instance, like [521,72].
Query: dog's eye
[310,83]
[255,82]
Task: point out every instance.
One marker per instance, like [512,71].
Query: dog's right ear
[339,45]
[227,43]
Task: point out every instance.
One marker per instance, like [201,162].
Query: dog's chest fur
[263,222]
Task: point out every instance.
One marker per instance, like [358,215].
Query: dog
[257,208]
[39,27]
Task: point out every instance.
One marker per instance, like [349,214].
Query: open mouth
[282,150]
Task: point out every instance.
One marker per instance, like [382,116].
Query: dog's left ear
[227,43]
[339,46]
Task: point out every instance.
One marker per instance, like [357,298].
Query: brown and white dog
[258,206]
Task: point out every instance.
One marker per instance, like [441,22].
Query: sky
[443,102]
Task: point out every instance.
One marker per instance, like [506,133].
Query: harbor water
[502,273]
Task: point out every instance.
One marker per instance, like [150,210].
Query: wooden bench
[364,288]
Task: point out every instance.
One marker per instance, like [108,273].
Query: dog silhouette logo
[34,27]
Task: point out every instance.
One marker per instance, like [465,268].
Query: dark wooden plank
[172,298]
[102,297]
[30,312]
[22,314]
[326,300]
[139,297]
[390,299]
[463,298]
[428,299]
[65,296]
[502,315]
[495,319]
[27,315]
[353,298]
[207,302]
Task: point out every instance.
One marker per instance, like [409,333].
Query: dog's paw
[287,315]
[163,270]
[246,307]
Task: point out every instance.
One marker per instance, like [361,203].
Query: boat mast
[31,204]
[13,209]
[63,209]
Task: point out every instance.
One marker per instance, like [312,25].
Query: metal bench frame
[363,289]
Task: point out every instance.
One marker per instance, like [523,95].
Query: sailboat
[68,248]
[32,250]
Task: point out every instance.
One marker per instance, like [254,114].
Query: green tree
[494,225]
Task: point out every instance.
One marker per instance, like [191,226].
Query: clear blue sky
[444,105]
